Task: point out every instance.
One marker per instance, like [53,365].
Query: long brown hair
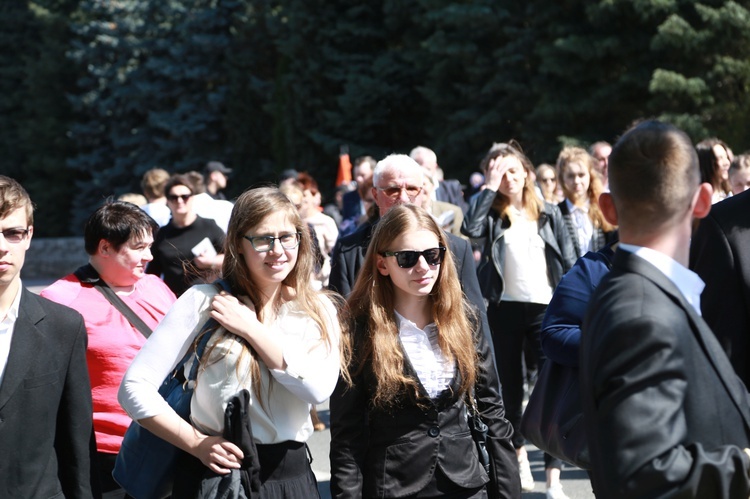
[372,300]
[531,202]
[570,155]
[250,209]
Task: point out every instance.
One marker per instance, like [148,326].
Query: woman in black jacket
[400,429]
[526,253]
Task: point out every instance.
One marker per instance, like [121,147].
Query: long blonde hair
[372,300]
[570,155]
[250,209]
[531,202]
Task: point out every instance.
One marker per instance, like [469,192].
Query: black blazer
[45,404]
[349,254]
[599,239]
[666,416]
[379,453]
[720,254]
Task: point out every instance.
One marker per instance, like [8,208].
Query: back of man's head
[653,175]
[425,157]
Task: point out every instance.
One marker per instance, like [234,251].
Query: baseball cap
[215,166]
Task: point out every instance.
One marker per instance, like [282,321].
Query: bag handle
[87,274]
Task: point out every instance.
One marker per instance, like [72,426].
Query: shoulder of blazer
[35,309]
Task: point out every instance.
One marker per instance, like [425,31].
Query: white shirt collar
[573,208]
[690,285]
[7,326]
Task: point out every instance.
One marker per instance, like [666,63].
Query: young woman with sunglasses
[527,251]
[279,339]
[399,429]
[176,252]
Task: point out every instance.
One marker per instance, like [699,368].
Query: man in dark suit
[720,254]
[666,416]
[447,191]
[45,396]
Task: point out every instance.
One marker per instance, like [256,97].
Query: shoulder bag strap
[205,333]
[88,274]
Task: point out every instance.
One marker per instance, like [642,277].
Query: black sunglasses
[407,259]
[175,197]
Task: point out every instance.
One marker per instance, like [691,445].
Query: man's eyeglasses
[408,259]
[15,236]
[175,197]
[412,191]
[261,244]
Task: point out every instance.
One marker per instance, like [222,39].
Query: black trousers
[511,323]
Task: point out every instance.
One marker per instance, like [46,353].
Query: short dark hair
[116,222]
[179,179]
[653,174]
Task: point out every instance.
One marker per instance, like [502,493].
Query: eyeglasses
[175,197]
[261,244]
[412,191]
[15,236]
[408,259]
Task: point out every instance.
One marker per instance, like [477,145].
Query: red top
[112,344]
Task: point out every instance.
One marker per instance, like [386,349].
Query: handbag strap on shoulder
[87,274]
[205,334]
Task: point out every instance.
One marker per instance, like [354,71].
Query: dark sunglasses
[408,259]
[175,197]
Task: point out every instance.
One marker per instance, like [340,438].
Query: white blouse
[423,351]
[310,377]
[525,265]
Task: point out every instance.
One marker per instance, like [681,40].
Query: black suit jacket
[45,404]
[666,416]
[720,254]
[449,191]
[382,453]
[349,253]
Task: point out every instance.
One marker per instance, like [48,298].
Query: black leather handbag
[553,419]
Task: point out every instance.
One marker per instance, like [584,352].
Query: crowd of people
[421,307]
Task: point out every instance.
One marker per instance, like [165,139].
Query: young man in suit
[45,397]
[666,416]
[719,254]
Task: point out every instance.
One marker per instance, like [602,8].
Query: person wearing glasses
[526,253]
[420,361]
[546,179]
[45,395]
[398,179]
[189,249]
[278,338]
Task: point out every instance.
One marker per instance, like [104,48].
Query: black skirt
[285,473]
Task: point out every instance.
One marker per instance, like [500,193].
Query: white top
[690,285]
[218,210]
[311,374]
[525,265]
[422,348]
[159,212]
[7,326]
[584,227]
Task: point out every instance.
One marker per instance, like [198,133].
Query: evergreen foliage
[93,93]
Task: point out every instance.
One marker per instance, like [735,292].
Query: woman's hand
[236,316]
[496,170]
[219,455]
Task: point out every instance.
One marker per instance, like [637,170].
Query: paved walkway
[575,481]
